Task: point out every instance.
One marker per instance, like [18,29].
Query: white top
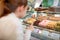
[11,28]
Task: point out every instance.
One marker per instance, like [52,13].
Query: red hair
[11,5]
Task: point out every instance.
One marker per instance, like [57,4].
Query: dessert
[44,23]
[51,25]
[57,27]
[30,20]
[40,18]
[55,18]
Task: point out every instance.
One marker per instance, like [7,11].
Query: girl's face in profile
[22,11]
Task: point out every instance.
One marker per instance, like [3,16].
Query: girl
[11,27]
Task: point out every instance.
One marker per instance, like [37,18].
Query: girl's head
[19,7]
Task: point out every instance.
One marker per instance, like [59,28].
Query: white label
[38,3]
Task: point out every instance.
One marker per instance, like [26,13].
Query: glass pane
[47,3]
[50,3]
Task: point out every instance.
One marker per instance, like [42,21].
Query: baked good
[30,20]
[51,25]
[57,27]
[55,18]
[40,18]
[44,23]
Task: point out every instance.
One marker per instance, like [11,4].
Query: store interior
[45,16]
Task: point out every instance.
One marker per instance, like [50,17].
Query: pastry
[30,20]
[51,25]
[57,27]
[44,23]
[40,18]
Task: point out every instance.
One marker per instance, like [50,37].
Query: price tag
[38,3]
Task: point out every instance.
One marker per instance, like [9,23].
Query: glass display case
[41,33]
[47,13]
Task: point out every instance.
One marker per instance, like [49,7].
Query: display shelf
[29,15]
[52,31]
[41,37]
[47,35]
[52,12]
[56,12]
[50,35]
[48,12]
